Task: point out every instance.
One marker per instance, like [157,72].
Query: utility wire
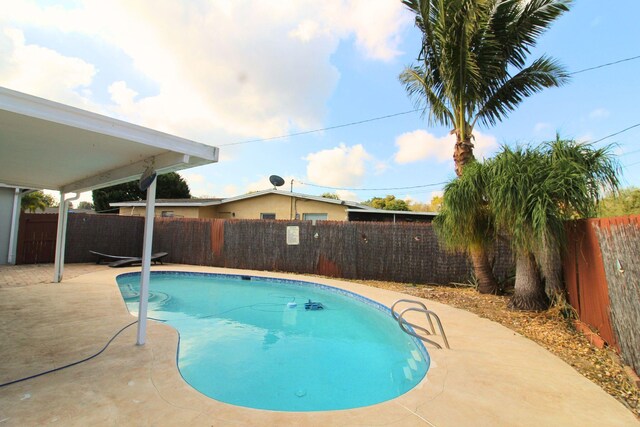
[321,129]
[603,65]
[396,114]
[442,183]
[372,189]
[630,152]
[616,133]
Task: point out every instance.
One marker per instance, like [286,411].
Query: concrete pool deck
[492,376]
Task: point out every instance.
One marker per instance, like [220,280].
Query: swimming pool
[249,341]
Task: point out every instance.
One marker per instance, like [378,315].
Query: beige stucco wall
[251,208]
[282,207]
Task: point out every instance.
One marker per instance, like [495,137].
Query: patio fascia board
[164,163]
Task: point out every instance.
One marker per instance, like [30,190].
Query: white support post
[146,263]
[15,219]
[60,237]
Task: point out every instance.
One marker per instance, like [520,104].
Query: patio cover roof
[44,144]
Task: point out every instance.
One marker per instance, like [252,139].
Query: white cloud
[338,167]
[542,127]
[599,113]
[585,137]
[199,186]
[420,145]
[24,67]
[261,78]
[380,167]
[371,20]
[484,145]
[348,195]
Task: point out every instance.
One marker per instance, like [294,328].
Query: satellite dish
[276,180]
[147,178]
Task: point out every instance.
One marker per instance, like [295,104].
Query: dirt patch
[550,329]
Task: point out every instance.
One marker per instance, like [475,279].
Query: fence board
[586,281]
[620,246]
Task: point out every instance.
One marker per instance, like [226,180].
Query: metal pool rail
[418,306]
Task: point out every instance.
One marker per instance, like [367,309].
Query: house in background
[272,204]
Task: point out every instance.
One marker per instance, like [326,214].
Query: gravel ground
[549,329]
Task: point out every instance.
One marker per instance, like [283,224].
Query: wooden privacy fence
[36,238]
[603,280]
[620,247]
[585,279]
[404,252]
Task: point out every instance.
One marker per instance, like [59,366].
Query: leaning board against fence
[619,240]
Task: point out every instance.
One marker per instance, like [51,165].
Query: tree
[389,203]
[465,222]
[532,192]
[526,194]
[330,196]
[85,205]
[49,200]
[472,64]
[627,202]
[169,186]
[36,200]
[432,206]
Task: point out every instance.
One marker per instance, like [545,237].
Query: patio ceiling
[44,144]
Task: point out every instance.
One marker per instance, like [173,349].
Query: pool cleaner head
[313,305]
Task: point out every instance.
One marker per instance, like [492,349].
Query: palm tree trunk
[529,292]
[552,272]
[462,154]
[487,283]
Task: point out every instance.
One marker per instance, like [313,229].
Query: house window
[267,216]
[314,216]
[167,214]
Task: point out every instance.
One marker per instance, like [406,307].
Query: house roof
[44,144]
[211,202]
[384,211]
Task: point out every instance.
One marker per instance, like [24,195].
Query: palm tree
[34,201]
[465,221]
[533,191]
[472,63]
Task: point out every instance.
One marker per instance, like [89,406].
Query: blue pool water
[243,342]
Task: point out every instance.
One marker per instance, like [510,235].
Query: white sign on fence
[293,235]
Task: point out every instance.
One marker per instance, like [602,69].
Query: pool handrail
[411,301]
[423,309]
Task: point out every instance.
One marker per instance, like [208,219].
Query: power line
[321,129]
[604,65]
[630,152]
[442,183]
[372,189]
[395,114]
[617,133]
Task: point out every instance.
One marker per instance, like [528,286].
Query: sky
[242,75]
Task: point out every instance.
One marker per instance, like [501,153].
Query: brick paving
[12,276]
